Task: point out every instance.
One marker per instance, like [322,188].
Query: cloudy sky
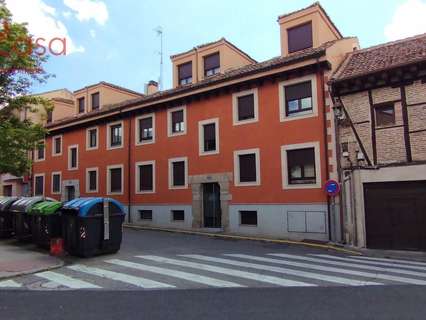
[115,41]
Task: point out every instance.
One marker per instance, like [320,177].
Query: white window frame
[137,175]
[237,153]
[34,182]
[299,115]
[137,124]
[171,161]
[109,125]
[54,145]
[36,158]
[88,180]
[88,148]
[169,121]
[69,157]
[115,166]
[235,97]
[201,125]
[284,165]
[60,182]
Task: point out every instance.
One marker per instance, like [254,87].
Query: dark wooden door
[70,193]
[395,215]
[211,205]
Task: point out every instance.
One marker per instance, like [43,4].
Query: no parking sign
[332,187]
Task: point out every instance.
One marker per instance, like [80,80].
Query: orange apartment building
[236,145]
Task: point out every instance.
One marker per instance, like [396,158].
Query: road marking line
[230,272]
[133,280]
[10,284]
[66,280]
[345,264]
[304,274]
[366,263]
[176,274]
[415,263]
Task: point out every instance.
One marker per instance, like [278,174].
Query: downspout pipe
[129,165]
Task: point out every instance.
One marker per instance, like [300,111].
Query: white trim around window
[284,165]
[299,115]
[169,121]
[138,142]
[137,175]
[108,142]
[96,169]
[88,147]
[54,154]
[171,161]
[59,173]
[201,124]
[235,97]
[69,157]
[237,153]
[36,158]
[34,183]
[109,179]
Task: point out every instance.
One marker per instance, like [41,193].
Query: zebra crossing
[228,270]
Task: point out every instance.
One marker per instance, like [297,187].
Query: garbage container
[92,226]
[46,222]
[6,218]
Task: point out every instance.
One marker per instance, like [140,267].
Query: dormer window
[185,73]
[95,101]
[299,37]
[80,102]
[211,64]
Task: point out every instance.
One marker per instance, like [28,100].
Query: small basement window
[248,217]
[145,214]
[178,215]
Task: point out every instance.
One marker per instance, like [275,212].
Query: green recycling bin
[46,222]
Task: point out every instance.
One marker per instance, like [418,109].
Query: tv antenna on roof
[159,31]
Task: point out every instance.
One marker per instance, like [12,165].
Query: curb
[32,271]
[235,237]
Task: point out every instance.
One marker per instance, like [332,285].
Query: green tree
[20,68]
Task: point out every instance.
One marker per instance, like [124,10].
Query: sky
[115,40]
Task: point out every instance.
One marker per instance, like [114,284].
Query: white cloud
[86,10]
[67,14]
[42,22]
[92,33]
[408,20]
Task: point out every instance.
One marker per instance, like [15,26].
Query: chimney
[151,87]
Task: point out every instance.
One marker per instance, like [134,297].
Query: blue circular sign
[332,187]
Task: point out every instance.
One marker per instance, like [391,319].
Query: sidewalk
[19,259]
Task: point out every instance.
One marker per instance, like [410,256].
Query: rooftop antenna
[159,31]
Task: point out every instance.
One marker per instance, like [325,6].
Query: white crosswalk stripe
[176,274]
[230,272]
[406,262]
[353,265]
[66,281]
[133,280]
[303,274]
[10,284]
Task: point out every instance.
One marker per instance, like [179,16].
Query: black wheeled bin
[6,217]
[46,222]
[92,226]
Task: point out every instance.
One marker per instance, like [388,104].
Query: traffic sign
[332,187]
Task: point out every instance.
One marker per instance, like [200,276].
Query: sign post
[332,187]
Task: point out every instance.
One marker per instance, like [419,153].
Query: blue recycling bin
[92,226]
[6,217]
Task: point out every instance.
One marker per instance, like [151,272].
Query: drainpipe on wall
[129,140]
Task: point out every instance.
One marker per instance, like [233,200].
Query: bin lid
[45,208]
[26,203]
[83,205]
[5,202]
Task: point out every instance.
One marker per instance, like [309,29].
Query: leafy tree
[20,68]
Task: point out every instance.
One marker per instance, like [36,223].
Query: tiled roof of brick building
[112,86]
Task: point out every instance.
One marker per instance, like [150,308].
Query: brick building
[380,95]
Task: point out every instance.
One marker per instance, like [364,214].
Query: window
[208,132]
[185,73]
[81,106]
[115,179]
[73,157]
[91,180]
[299,37]
[178,173]
[385,115]
[57,146]
[145,173]
[145,129]
[247,167]
[211,64]
[248,218]
[92,138]
[38,184]
[115,135]
[176,118]
[95,101]
[345,146]
[301,166]
[56,182]
[245,107]
[39,152]
[178,215]
[145,214]
[49,116]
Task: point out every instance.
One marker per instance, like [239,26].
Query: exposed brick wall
[358,106]
[390,145]
[418,146]
[416,93]
[417,117]
[385,94]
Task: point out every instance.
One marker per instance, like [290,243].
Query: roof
[214,43]
[232,74]
[63,100]
[110,85]
[382,57]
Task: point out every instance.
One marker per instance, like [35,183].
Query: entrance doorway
[70,193]
[211,205]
